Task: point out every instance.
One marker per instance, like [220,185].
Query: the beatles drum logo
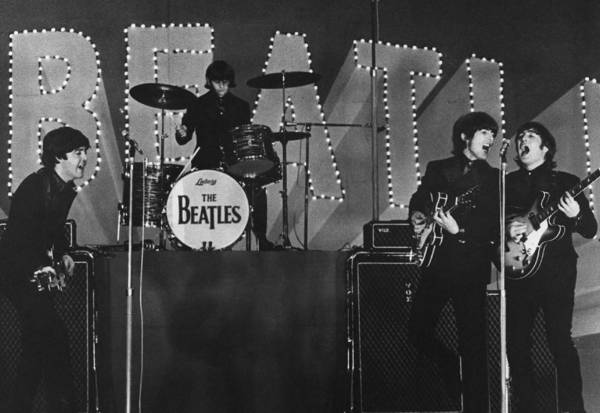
[206,214]
[207,208]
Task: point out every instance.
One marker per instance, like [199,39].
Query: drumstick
[188,165]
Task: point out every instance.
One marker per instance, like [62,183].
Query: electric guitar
[432,235]
[523,258]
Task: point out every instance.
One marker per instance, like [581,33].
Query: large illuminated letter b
[54,77]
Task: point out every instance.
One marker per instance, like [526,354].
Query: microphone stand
[374,146]
[504,368]
[129,311]
[285,239]
[133,148]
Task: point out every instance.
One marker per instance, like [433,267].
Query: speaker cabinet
[75,306]
[386,372]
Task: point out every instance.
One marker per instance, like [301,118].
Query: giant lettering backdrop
[72,63]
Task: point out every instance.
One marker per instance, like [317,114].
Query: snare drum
[207,209]
[251,148]
[149,194]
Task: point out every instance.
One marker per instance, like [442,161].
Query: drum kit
[209,209]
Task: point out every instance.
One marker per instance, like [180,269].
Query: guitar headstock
[467,197]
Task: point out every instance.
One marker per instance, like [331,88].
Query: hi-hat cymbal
[277,80]
[162,96]
[288,136]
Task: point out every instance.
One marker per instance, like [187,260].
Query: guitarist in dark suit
[460,269]
[34,240]
[552,286]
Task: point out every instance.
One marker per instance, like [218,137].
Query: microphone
[504,147]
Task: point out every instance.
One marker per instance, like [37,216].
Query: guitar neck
[576,190]
[461,199]
[452,207]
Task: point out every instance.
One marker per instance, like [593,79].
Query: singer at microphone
[459,268]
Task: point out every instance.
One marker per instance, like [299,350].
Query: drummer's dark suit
[212,118]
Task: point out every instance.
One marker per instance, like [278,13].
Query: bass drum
[207,210]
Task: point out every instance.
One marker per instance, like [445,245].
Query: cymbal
[162,96]
[275,80]
[289,136]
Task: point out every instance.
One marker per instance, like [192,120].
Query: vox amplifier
[70,232]
[388,236]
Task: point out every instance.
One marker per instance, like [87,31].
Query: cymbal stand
[306,171]
[374,142]
[308,126]
[284,195]
[250,224]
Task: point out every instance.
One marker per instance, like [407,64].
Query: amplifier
[392,236]
[70,232]
[76,308]
[386,372]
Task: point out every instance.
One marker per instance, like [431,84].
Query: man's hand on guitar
[446,221]
[47,279]
[68,264]
[516,230]
[418,221]
[47,270]
[568,206]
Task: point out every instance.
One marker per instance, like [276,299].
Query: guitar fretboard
[462,199]
[576,190]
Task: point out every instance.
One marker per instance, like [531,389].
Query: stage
[261,332]
[226,331]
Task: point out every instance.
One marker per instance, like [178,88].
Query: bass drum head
[207,209]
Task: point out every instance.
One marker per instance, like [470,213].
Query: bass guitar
[432,236]
[523,258]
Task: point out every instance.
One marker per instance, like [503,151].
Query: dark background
[546,46]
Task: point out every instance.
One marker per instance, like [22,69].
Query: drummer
[211,117]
